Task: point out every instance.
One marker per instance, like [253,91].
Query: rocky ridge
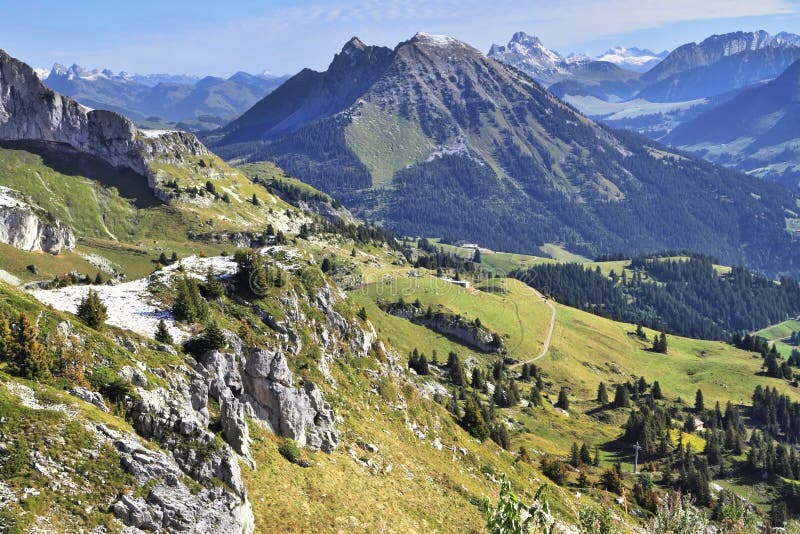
[27,227]
[29,111]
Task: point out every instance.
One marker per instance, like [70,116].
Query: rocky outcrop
[29,111]
[170,504]
[27,227]
[261,385]
[455,327]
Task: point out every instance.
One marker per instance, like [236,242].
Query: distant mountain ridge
[172,98]
[434,138]
[758,131]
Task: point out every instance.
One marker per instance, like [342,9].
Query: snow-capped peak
[436,40]
[632,58]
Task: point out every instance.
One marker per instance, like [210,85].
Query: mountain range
[435,138]
[191,102]
[757,131]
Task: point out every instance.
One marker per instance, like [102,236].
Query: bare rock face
[29,111]
[170,505]
[26,227]
[262,385]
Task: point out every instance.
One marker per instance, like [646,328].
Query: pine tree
[621,397]
[214,337]
[699,404]
[362,313]
[602,394]
[585,454]
[91,310]
[162,334]
[213,285]
[657,395]
[563,399]
[6,341]
[575,455]
[476,258]
[353,253]
[473,421]
[255,200]
[31,359]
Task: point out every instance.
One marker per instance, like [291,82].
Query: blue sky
[283,36]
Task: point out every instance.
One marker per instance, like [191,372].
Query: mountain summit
[435,138]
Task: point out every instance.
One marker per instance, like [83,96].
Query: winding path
[549,337]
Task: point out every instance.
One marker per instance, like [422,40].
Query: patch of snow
[438,40]
[130,305]
[154,134]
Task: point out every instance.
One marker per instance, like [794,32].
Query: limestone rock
[26,227]
[92,397]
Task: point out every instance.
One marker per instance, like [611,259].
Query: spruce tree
[563,399]
[575,455]
[214,337]
[6,341]
[657,395]
[621,397]
[91,310]
[162,334]
[30,356]
[602,394]
[473,421]
[699,404]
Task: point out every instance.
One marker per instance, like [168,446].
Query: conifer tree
[699,404]
[473,420]
[621,397]
[477,381]
[657,395]
[214,337]
[563,399]
[585,454]
[162,334]
[602,394]
[91,310]
[575,455]
[213,286]
[6,340]
[31,358]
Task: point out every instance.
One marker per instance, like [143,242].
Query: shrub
[289,450]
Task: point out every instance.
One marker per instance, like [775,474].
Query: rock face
[170,504]
[26,227]
[29,111]
[261,385]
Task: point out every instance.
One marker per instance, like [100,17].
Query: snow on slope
[131,305]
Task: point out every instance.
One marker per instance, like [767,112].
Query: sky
[207,37]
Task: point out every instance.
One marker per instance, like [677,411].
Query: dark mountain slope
[445,141]
[756,131]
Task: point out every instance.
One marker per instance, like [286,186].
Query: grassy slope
[110,225]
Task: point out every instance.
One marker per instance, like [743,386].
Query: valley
[425,289]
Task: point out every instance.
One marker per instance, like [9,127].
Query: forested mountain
[169,98]
[434,138]
[756,132]
[686,296]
